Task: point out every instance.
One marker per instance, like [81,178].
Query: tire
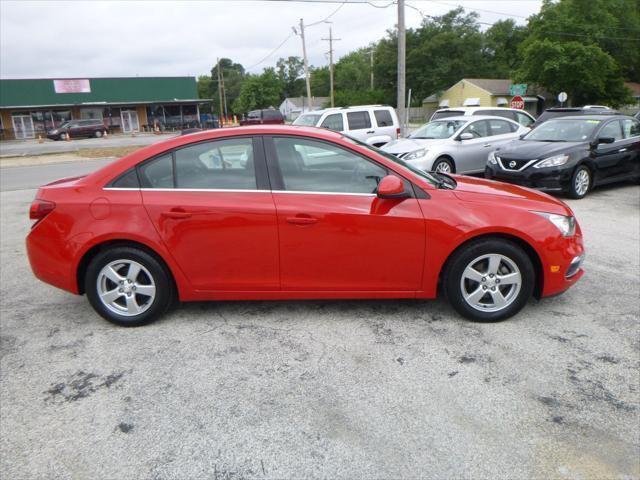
[577,188]
[62,136]
[483,256]
[443,165]
[99,133]
[132,299]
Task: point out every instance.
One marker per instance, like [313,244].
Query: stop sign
[517,102]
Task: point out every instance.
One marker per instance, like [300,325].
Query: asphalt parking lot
[326,389]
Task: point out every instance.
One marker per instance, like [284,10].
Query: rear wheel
[489,280]
[99,133]
[128,287]
[63,136]
[580,182]
[443,165]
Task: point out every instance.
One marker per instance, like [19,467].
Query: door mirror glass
[391,187]
[466,136]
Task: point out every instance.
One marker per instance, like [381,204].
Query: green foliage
[320,81]
[291,76]
[501,43]
[259,91]
[233,75]
[346,98]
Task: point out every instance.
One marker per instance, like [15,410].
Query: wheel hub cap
[490,283]
[126,287]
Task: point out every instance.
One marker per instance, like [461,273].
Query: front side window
[524,120]
[307,120]
[313,166]
[611,130]
[478,129]
[220,164]
[358,120]
[383,118]
[501,127]
[630,127]
[333,122]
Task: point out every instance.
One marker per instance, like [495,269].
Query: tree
[501,43]
[259,91]
[233,75]
[585,72]
[205,88]
[290,73]
[319,81]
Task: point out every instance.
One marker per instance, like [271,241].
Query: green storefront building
[30,107]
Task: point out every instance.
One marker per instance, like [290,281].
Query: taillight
[398,132]
[40,209]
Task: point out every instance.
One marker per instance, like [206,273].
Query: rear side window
[501,127]
[128,179]
[254,115]
[631,128]
[221,165]
[383,118]
[333,122]
[157,173]
[446,113]
[358,120]
[496,113]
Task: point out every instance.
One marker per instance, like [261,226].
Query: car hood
[472,189]
[528,150]
[404,145]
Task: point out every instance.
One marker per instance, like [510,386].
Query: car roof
[345,109]
[474,109]
[586,117]
[469,118]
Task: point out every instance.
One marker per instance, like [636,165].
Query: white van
[373,124]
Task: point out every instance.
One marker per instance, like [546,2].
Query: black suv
[556,112]
[78,128]
[572,154]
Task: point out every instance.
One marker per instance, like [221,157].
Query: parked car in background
[571,154]
[78,128]
[268,116]
[272,212]
[557,112]
[373,124]
[523,118]
[455,144]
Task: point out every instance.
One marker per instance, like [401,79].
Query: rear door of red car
[335,233]
[210,202]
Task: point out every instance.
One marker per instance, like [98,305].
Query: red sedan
[295,213]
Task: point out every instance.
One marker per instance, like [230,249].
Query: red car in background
[295,213]
[269,116]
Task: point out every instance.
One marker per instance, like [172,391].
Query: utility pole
[306,64]
[331,40]
[401,65]
[371,65]
[224,94]
[219,91]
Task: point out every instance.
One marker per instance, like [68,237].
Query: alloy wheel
[443,167]
[581,182]
[491,283]
[126,287]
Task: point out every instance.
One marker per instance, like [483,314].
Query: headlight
[492,158]
[554,161]
[566,225]
[416,154]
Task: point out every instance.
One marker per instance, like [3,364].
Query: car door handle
[487,145]
[371,131]
[302,220]
[176,214]
[622,150]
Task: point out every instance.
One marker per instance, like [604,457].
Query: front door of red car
[335,233]
[210,202]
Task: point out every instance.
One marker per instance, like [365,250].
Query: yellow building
[480,92]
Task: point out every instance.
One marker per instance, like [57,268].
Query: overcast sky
[149,38]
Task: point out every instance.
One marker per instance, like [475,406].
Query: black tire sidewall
[464,256]
[443,160]
[572,186]
[161,279]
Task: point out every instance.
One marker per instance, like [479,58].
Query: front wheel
[443,165]
[98,134]
[128,287]
[580,182]
[489,280]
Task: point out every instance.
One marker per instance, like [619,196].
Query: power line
[330,15]
[271,52]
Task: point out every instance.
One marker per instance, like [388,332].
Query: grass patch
[106,152]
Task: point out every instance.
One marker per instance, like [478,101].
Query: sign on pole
[518,89]
[517,102]
[562,97]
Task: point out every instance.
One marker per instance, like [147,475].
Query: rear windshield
[549,114]
[438,130]
[307,120]
[446,113]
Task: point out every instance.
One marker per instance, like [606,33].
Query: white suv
[523,118]
[373,124]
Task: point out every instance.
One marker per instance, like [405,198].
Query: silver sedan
[458,144]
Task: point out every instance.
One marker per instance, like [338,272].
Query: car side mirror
[465,136]
[606,140]
[391,187]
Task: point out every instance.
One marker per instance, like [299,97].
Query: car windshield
[445,114]
[307,120]
[427,176]
[563,130]
[65,125]
[438,130]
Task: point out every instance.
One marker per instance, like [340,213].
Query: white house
[293,107]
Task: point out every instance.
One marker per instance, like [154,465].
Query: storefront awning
[471,102]
[444,102]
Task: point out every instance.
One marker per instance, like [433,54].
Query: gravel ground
[328,389]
